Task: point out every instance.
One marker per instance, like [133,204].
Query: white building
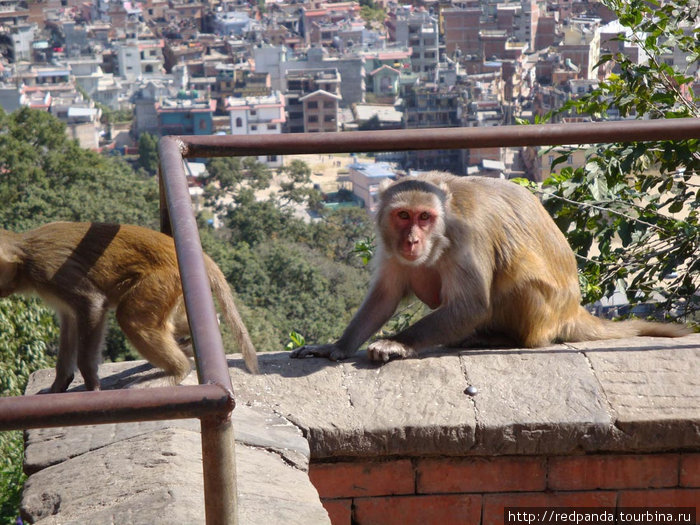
[263,115]
[140,58]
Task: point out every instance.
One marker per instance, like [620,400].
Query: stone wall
[453,437]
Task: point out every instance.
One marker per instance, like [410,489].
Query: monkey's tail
[587,327]
[221,290]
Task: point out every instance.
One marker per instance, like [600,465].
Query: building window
[313,118]
[272,158]
[312,104]
[272,126]
[329,105]
[253,112]
[329,118]
[254,127]
[239,122]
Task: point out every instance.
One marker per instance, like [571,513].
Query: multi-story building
[187,114]
[417,29]
[460,28]
[431,106]
[312,100]
[320,111]
[581,45]
[258,115]
[138,58]
[366,178]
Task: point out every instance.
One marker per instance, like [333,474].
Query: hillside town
[268,67]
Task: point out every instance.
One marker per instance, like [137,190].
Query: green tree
[27,333]
[631,212]
[296,188]
[148,153]
[234,175]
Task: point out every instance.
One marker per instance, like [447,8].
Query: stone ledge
[634,395]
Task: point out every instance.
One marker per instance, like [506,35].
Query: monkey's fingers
[331,352]
[384,350]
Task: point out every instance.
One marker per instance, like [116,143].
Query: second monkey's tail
[221,290]
[587,327]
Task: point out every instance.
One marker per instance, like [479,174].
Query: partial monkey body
[487,258]
[82,270]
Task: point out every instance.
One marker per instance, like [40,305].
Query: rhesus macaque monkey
[487,258]
[84,269]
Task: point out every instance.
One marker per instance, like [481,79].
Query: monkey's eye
[425,216]
[403,215]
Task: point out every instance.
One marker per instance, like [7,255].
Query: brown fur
[494,263]
[84,269]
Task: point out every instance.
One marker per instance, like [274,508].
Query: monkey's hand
[385,349]
[331,351]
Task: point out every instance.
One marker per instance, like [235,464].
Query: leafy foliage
[27,332]
[291,275]
[631,211]
[148,153]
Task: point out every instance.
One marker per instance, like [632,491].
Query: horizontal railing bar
[440,138]
[114,406]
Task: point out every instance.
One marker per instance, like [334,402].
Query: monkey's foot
[386,349]
[330,351]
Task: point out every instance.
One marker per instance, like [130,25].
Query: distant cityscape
[200,67]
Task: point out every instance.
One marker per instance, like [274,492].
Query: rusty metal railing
[212,401]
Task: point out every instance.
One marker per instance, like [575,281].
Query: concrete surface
[640,394]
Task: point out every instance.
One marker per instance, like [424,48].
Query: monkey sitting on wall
[486,256]
[84,269]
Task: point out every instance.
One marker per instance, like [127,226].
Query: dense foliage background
[289,274]
[631,211]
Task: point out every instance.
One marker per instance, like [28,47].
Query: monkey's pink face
[412,228]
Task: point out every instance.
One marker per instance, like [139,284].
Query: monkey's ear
[448,193]
[383,187]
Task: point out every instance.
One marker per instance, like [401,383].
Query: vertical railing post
[218,461]
[219,465]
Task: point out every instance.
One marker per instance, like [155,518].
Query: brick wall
[466,490]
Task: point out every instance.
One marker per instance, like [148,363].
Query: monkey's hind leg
[67,354]
[152,335]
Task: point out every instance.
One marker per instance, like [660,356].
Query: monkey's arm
[465,307]
[376,309]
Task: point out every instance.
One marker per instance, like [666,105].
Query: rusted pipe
[209,349]
[218,456]
[219,466]
[440,138]
[113,406]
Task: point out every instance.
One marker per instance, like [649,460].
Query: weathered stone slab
[653,388]
[270,492]
[151,472]
[358,408]
[154,478]
[48,446]
[535,401]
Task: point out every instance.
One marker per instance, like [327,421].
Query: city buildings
[201,67]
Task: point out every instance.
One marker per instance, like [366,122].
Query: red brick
[504,474]
[344,480]
[613,472]
[339,511]
[690,470]
[457,509]
[495,504]
[659,498]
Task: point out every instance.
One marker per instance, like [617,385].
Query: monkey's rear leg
[153,338]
